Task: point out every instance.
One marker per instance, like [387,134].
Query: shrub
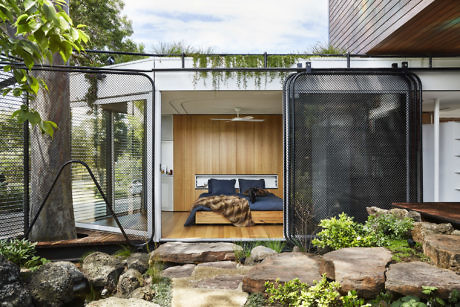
[342,232]
[287,293]
[245,252]
[276,245]
[388,227]
[22,253]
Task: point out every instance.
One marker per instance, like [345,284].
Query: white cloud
[231,25]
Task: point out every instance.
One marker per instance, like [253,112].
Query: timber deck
[448,212]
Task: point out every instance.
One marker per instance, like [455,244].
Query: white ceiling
[221,102]
[270,102]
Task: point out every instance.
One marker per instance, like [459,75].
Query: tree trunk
[47,155]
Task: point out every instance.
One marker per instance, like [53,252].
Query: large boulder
[179,271]
[102,270]
[423,229]
[218,282]
[121,302]
[400,213]
[407,278]
[128,282]
[56,283]
[443,250]
[284,266]
[138,261]
[258,254]
[143,293]
[12,292]
[359,268]
[181,252]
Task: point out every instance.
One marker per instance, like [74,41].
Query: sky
[231,26]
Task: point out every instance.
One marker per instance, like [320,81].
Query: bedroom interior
[200,142]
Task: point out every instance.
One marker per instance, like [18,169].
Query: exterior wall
[358,25]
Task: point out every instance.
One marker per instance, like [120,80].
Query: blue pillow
[246,184]
[216,186]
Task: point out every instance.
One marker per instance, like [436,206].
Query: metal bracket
[394,65]
[405,65]
[308,67]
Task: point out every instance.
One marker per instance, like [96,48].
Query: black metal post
[109,159]
[183,60]
[348,60]
[265,60]
[26,198]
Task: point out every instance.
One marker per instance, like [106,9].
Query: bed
[266,209]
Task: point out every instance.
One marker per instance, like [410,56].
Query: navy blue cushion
[216,186]
[246,184]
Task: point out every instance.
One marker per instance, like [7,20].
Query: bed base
[259,217]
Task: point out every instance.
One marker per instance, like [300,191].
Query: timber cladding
[203,146]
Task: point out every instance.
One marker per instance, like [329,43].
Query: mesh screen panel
[11,164]
[349,145]
[104,124]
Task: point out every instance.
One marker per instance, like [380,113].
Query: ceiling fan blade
[255,120]
[246,117]
[228,119]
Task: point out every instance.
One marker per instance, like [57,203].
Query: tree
[34,30]
[41,32]
[108,29]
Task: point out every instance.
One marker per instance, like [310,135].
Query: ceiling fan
[239,119]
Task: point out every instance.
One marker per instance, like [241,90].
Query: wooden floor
[441,212]
[173,228]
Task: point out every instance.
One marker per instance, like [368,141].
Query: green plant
[322,294]
[17,251]
[256,300]
[35,262]
[342,232]
[276,245]
[408,301]
[352,300]
[388,227]
[245,251]
[162,292]
[287,294]
[124,252]
[155,268]
[403,252]
[454,297]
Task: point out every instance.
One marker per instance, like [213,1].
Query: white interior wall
[167,162]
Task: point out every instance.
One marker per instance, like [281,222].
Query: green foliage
[454,297]
[162,292]
[342,232]
[22,253]
[124,252]
[286,294]
[408,301]
[402,251]
[201,60]
[352,300]
[154,270]
[388,227]
[108,29]
[276,245]
[256,300]
[245,252]
[33,31]
[327,49]
[321,294]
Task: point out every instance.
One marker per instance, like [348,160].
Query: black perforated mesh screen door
[352,140]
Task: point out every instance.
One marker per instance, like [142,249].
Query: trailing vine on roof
[241,61]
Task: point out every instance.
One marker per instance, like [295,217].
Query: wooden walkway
[93,237]
[440,212]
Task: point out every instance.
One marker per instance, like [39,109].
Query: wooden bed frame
[259,217]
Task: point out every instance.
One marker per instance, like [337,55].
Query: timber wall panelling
[203,146]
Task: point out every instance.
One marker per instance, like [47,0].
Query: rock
[181,252]
[359,268]
[285,266]
[121,302]
[102,270]
[375,211]
[56,283]
[196,297]
[219,282]
[138,262]
[399,213]
[219,264]
[178,271]
[128,282]
[12,292]
[415,216]
[258,254]
[407,278]
[456,232]
[143,293]
[423,229]
[443,250]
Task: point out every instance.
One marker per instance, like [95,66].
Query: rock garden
[393,259]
